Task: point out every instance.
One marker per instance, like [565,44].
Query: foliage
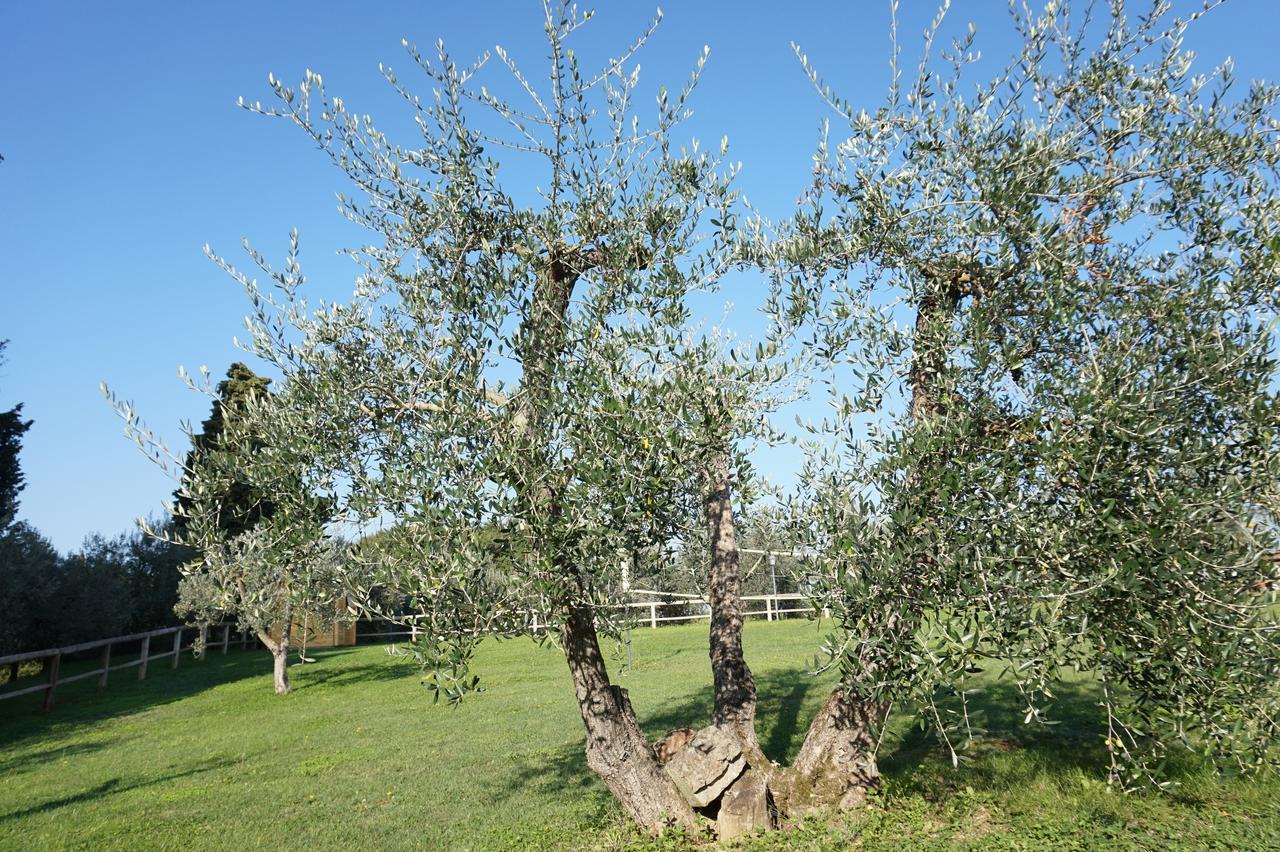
[109,587]
[1071,446]
[244,579]
[504,362]
[12,428]
[240,508]
[92,598]
[254,534]
[28,590]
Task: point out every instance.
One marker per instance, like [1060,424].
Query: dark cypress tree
[242,506]
[12,428]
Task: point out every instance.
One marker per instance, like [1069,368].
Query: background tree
[28,590]
[1048,304]
[12,428]
[92,598]
[241,508]
[261,552]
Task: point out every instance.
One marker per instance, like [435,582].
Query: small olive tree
[1047,306]
[252,512]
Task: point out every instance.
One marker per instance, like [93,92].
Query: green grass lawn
[358,756]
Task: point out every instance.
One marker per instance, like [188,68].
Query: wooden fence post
[535,623]
[768,607]
[226,636]
[177,647]
[653,615]
[142,657]
[13,672]
[55,662]
[106,666]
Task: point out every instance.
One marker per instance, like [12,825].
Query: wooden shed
[312,633]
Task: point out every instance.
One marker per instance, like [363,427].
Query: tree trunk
[934,314]
[616,748]
[280,658]
[735,688]
[837,761]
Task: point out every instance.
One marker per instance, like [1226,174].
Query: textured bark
[281,659]
[279,649]
[735,688]
[836,765]
[616,748]
[934,313]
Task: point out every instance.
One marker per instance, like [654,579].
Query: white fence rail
[647,612]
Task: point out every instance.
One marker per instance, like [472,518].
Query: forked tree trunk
[836,765]
[279,649]
[616,748]
[735,688]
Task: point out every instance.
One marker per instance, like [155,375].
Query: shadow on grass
[112,787]
[33,759]
[1006,754]
[79,703]
[384,670]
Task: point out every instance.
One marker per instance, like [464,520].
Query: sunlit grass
[358,756]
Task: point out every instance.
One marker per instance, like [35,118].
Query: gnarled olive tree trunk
[616,749]
[837,762]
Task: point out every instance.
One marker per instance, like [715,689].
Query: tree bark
[281,660]
[837,761]
[616,748]
[934,314]
[735,688]
[279,649]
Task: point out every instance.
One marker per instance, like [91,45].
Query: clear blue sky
[125,153]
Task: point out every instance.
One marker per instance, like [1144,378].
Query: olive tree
[1046,303]
[502,369]
[253,514]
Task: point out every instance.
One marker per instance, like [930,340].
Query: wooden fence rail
[52,658]
[647,611]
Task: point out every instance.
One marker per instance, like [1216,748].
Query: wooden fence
[52,657]
[646,612]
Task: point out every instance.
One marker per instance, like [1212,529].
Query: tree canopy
[1044,306]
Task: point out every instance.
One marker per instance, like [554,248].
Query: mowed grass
[358,756]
